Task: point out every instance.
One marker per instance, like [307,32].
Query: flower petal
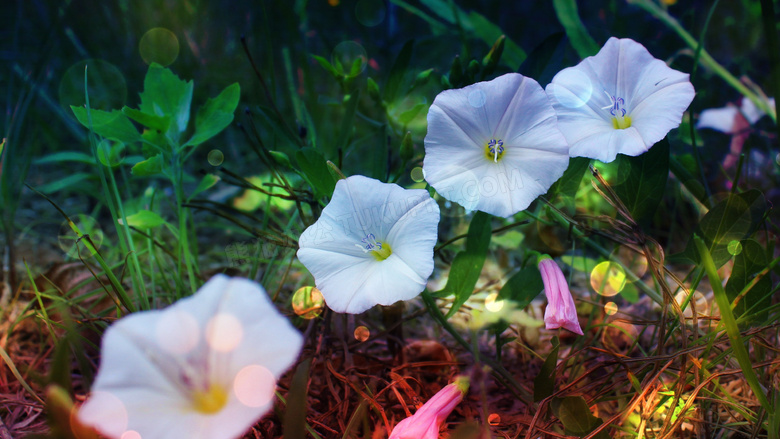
[519,114]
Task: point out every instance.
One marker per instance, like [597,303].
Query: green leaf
[294,424]
[111,125]
[66,156]
[467,265]
[328,66]
[159,123]
[523,286]
[732,220]
[643,180]
[580,39]
[313,165]
[410,114]
[397,72]
[280,158]
[71,180]
[144,219]
[575,415]
[544,383]
[751,258]
[215,115]
[166,95]
[207,182]
[536,64]
[347,123]
[579,262]
[568,184]
[150,166]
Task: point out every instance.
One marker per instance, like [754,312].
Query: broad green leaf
[579,262]
[166,95]
[677,164]
[150,166]
[750,259]
[111,125]
[575,415]
[523,286]
[643,180]
[215,115]
[568,184]
[311,162]
[159,123]
[144,219]
[207,182]
[544,383]
[732,220]
[569,17]
[411,113]
[467,265]
[398,72]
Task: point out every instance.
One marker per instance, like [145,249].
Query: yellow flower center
[379,250]
[210,401]
[494,149]
[621,123]
[618,111]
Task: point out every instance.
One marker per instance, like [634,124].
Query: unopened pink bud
[560,312]
[426,422]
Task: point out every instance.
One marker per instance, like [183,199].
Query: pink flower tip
[560,311]
[426,422]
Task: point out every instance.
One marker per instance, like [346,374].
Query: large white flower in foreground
[205,367]
[373,244]
[494,146]
[620,101]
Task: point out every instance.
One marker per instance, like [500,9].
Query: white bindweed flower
[373,244]
[494,146]
[620,101]
[731,119]
[205,367]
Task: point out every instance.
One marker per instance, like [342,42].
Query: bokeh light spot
[131,434]
[107,86]
[578,91]
[71,244]
[159,45]
[254,386]
[477,98]
[608,278]
[492,303]
[109,405]
[610,308]
[370,12]
[177,332]
[734,247]
[494,419]
[362,333]
[224,332]
[417,174]
[308,302]
[699,301]
[633,261]
[334,2]
[216,157]
[349,58]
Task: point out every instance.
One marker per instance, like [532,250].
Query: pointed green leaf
[150,166]
[411,113]
[112,125]
[751,258]
[166,95]
[216,114]
[512,55]
[575,415]
[313,165]
[544,383]
[523,286]
[643,180]
[206,183]
[568,184]
[579,37]
[144,219]
[467,265]
[327,66]
[398,72]
[159,123]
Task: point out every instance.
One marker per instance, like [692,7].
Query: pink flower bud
[426,422]
[560,312]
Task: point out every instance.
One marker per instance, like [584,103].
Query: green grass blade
[732,330]
[580,39]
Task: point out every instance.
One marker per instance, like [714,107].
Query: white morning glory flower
[494,146]
[373,244]
[731,119]
[620,101]
[205,367]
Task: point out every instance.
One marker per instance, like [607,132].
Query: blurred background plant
[133,215]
